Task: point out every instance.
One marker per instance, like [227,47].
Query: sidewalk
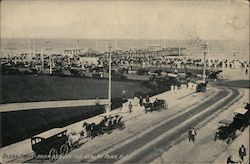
[22,148]
[233,149]
[50,104]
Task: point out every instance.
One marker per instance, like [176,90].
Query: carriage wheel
[64,149]
[109,130]
[166,106]
[53,155]
[121,126]
[242,128]
[35,155]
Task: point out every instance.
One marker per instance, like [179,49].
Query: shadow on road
[235,83]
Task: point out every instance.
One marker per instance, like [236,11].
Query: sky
[215,20]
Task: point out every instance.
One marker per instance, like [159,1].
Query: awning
[240,111]
[182,74]
[172,75]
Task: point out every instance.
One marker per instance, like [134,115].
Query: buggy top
[50,133]
[247,106]
[240,111]
[200,82]
[226,122]
[110,114]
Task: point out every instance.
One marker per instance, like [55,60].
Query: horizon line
[29,38]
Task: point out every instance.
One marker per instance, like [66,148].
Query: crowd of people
[172,62]
[143,58]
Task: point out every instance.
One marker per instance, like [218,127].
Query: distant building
[174,51]
[80,52]
[72,52]
[88,60]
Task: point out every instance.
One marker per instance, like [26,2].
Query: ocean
[217,48]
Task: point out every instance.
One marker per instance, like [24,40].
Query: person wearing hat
[242,152]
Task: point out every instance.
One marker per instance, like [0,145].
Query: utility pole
[205,47]
[115,45]
[106,46]
[223,66]
[29,52]
[109,89]
[50,57]
[179,49]
[96,46]
[50,64]
[42,58]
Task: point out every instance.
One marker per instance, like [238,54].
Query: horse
[73,139]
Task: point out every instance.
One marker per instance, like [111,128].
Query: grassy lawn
[19,125]
[28,88]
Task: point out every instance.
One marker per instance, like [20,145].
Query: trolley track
[149,155]
[151,135]
[104,149]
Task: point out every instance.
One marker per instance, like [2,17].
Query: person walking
[147,99]
[141,101]
[187,84]
[242,152]
[193,133]
[130,106]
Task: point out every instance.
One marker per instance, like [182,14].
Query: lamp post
[205,47]
[50,57]
[109,89]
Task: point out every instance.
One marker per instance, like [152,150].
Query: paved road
[152,152]
[148,154]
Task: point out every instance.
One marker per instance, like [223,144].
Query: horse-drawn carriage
[50,146]
[241,118]
[228,129]
[157,105]
[98,75]
[201,86]
[106,125]
[225,131]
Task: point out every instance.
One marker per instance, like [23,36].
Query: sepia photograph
[127,81]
